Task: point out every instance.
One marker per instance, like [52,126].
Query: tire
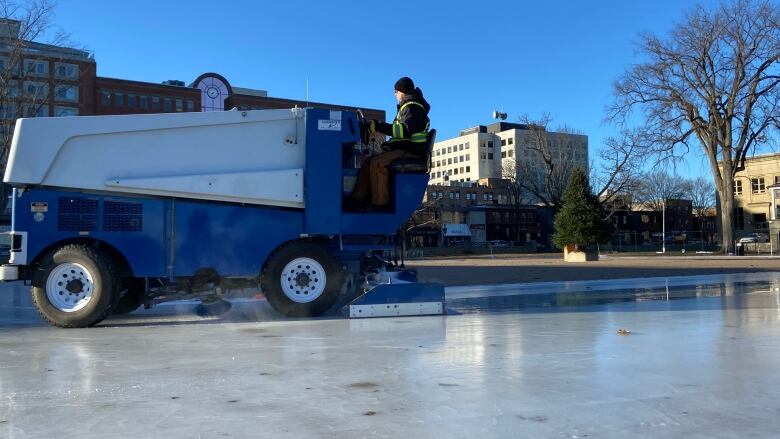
[301,279]
[133,297]
[75,286]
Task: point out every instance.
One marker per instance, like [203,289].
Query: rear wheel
[302,279]
[74,286]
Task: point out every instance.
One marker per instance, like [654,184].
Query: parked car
[754,237]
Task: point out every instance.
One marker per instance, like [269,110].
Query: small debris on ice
[623,331]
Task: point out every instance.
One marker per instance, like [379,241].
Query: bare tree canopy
[653,189]
[621,160]
[24,91]
[701,194]
[543,171]
[712,83]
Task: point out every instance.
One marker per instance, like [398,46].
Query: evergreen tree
[581,218]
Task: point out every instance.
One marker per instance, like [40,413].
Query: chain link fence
[678,241]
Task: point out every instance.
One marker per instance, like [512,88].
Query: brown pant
[374,179]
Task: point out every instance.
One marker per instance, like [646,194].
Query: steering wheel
[365,133]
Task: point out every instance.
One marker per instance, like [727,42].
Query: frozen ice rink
[702,359]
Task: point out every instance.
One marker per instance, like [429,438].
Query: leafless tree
[24,92]
[620,164]
[702,195]
[514,190]
[653,189]
[547,160]
[712,82]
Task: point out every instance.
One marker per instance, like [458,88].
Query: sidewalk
[481,270]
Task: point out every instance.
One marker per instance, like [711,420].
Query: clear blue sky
[469,58]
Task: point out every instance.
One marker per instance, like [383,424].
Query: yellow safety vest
[398,127]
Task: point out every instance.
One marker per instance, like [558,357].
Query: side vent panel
[119,216]
[77,214]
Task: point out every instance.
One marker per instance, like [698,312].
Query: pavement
[512,268]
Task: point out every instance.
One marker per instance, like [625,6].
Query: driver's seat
[422,165]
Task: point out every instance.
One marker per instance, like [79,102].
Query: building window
[461,171]
[449,161]
[179,104]
[758,185]
[36,67]
[456,171]
[36,90]
[468,157]
[8,111]
[438,163]
[468,168]
[66,71]
[490,144]
[65,111]
[482,156]
[452,195]
[467,145]
[36,111]
[503,154]
[739,218]
[155,103]
[737,187]
[503,142]
[13,89]
[511,152]
[105,98]
[484,196]
[490,156]
[509,141]
[461,159]
[759,221]
[67,93]
[461,147]
[142,103]
[457,195]
[777,179]
[167,105]
[119,100]
[190,105]
[449,149]
[131,101]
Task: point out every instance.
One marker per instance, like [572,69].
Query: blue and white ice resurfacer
[111,213]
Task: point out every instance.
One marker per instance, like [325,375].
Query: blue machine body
[167,237]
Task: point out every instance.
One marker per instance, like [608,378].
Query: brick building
[62,81]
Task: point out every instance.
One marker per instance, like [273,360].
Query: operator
[408,133]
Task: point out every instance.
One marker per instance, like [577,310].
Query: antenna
[307,91]
[499,115]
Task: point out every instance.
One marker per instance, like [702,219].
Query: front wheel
[302,279]
[74,286]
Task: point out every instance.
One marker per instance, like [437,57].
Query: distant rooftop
[494,128]
[250,92]
[9,33]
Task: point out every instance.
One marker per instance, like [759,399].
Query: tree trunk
[725,192]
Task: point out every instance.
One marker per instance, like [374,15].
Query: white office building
[479,152]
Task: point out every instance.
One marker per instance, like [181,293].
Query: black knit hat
[404,85]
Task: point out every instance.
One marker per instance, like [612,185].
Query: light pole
[663,226]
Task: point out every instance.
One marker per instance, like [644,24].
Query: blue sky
[469,58]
